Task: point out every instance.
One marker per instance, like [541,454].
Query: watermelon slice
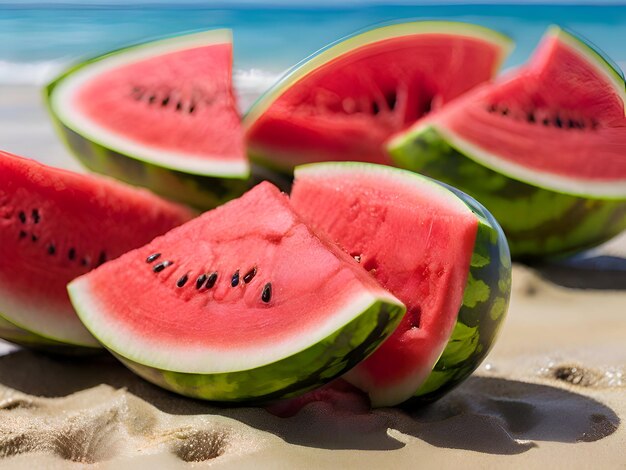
[343,102]
[543,148]
[434,248]
[160,115]
[54,226]
[244,303]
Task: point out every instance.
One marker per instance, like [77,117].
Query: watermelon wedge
[160,115]
[54,226]
[433,247]
[543,148]
[343,102]
[244,303]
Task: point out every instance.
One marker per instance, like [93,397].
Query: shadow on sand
[601,272]
[489,415]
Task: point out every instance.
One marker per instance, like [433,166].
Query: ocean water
[37,42]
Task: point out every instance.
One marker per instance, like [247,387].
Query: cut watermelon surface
[437,250]
[54,226]
[343,102]
[160,114]
[543,148]
[244,303]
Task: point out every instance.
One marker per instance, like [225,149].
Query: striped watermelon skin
[199,191]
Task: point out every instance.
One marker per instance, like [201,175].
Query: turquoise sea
[36,40]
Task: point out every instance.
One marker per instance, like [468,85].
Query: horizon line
[225,4]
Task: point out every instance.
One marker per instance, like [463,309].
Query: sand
[552,393]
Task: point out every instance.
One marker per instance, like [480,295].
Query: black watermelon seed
[200,280]
[211,280]
[71,254]
[102,258]
[192,108]
[234,282]
[571,124]
[84,262]
[545,122]
[165,100]
[427,107]
[161,266]
[182,281]
[51,249]
[375,108]
[266,295]
[391,99]
[558,122]
[530,117]
[504,111]
[22,217]
[34,237]
[35,215]
[249,275]
[153,257]
[151,99]
[22,234]
[179,106]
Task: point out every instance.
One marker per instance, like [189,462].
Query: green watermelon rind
[361,39]
[201,192]
[538,221]
[486,294]
[485,304]
[290,376]
[199,189]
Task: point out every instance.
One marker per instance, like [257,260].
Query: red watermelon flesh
[168,102]
[239,287]
[416,240]
[559,119]
[56,225]
[346,108]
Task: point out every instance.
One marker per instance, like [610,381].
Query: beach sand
[551,394]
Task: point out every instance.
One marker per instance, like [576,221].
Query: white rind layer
[30,315]
[63,95]
[181,357]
